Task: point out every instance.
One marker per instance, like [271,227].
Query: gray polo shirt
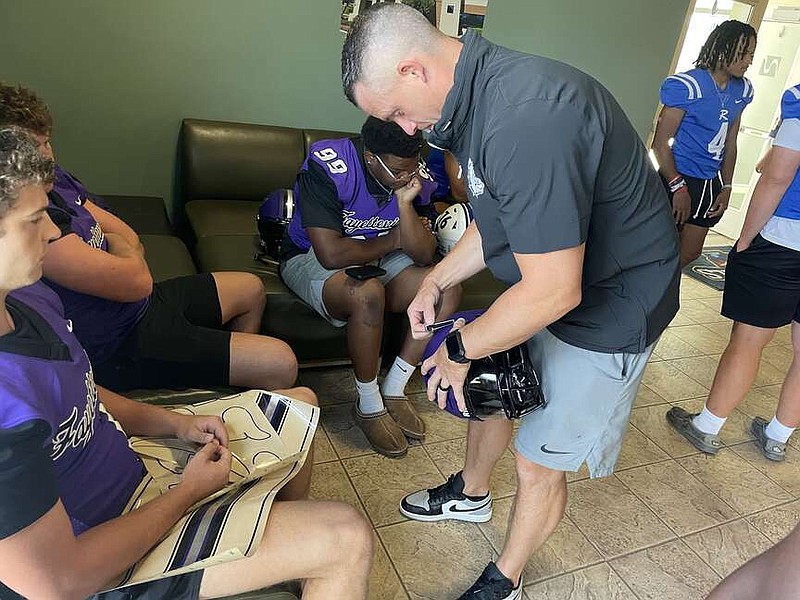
[551,161]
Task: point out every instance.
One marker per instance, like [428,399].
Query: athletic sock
[397,378]
[778,431]
[708,422]
[369,397]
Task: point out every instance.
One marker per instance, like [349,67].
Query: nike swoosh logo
[737,101]
[402,369]
[546,451]
[458,510]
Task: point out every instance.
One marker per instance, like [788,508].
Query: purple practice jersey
[362,216]
[100,324]
[47,376]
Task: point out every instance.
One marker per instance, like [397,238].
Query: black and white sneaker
[493,585]
[447,501]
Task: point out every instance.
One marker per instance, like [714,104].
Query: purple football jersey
[362,217]
[96,471]
[100,324]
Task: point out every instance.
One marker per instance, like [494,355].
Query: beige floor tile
[779,357]
[773,390]
[759,402]
[382,482]
[439,425]
[565,550]
[345,436]
[702,311]
[613,519]
[700,368]
[670,383]
[671,346]
[722,329]
[333,385]
[329,482]
[449,458]
[714,302]
[680,500]
[638,449]
[667,572]
[647,397]
[595,583]
[737,482]
[384,583]
[786,473]
[652,422]
[323,450]
[736,429]
[776,523]
[702,338]
[783,336]
[580,474]
[681,320]
[727,547]
[436,560]
[768,375]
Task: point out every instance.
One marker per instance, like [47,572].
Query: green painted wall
[119,76]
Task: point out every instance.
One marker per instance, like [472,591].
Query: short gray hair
[382,35]
[20,165]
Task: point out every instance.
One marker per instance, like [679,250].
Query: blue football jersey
[789,207]
[699,144]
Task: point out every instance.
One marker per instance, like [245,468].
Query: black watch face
[455,351]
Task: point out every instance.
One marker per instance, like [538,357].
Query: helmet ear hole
[502,384]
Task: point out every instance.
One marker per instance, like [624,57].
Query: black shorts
[762,285]
[179,587]
[179,342]
[703,192]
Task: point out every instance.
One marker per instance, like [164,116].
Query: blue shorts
[589,397]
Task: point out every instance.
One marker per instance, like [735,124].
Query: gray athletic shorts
[589,397]
[305,276]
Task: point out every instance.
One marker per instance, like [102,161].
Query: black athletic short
[180,587]
[762,285]
[178,343]
[703,193]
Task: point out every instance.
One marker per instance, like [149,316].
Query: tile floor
[669,524]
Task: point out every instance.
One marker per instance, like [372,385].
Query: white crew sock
[708,422]
[369,397]
[397,378]
[778,431]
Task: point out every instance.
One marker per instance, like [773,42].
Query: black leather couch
[225,170]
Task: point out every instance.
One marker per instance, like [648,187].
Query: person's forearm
[766,197]
[728,164]
[514,317]
[416,241]
[345,252]
[666,162]
[139,418]
[111,223]
[109,549]
[461,263]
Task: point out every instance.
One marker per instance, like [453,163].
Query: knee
[284,364]
[350,534]
[304,394]
[253,288]
[368,297]
[530,474]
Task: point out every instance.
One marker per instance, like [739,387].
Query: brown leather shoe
[382,433]
[405,415]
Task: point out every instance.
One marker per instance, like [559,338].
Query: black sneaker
[447,501]
[493,585]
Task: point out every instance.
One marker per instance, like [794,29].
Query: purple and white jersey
[100,324]
[49,378]
[363,217]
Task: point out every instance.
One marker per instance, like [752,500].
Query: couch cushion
[145,214]
[222,217]
[287,317]
[167,257]
[237,161]
[314,135]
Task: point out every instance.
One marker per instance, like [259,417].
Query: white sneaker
[447,501]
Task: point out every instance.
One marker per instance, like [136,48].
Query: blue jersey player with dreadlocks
[695,139]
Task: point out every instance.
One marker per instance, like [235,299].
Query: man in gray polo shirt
[569,211]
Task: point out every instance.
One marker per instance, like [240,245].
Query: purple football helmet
[274,215]
[502,383]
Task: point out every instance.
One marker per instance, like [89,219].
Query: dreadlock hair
[386,137]
[722,46]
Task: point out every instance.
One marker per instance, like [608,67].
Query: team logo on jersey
[96,237]
[76,430]
[351,223]
[476,186]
